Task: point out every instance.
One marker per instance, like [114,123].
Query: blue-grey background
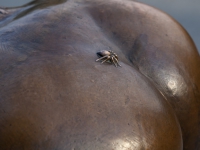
[187,12]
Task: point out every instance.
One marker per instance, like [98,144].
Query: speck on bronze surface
[53,95]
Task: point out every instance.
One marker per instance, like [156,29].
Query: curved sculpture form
[53,95]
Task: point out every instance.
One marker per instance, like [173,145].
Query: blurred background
[186,12]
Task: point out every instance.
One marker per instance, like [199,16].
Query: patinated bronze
[53,95]
[108,56]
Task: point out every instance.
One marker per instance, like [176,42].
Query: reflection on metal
[172,85]
[176,85]
[127,144]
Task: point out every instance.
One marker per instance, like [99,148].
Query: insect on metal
[108,56]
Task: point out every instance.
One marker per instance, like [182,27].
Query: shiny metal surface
[186,12]
[53,95]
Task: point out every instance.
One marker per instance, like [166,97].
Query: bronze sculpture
[53,95]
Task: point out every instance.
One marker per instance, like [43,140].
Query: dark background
[186,12]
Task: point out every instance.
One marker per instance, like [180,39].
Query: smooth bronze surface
[54,96]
